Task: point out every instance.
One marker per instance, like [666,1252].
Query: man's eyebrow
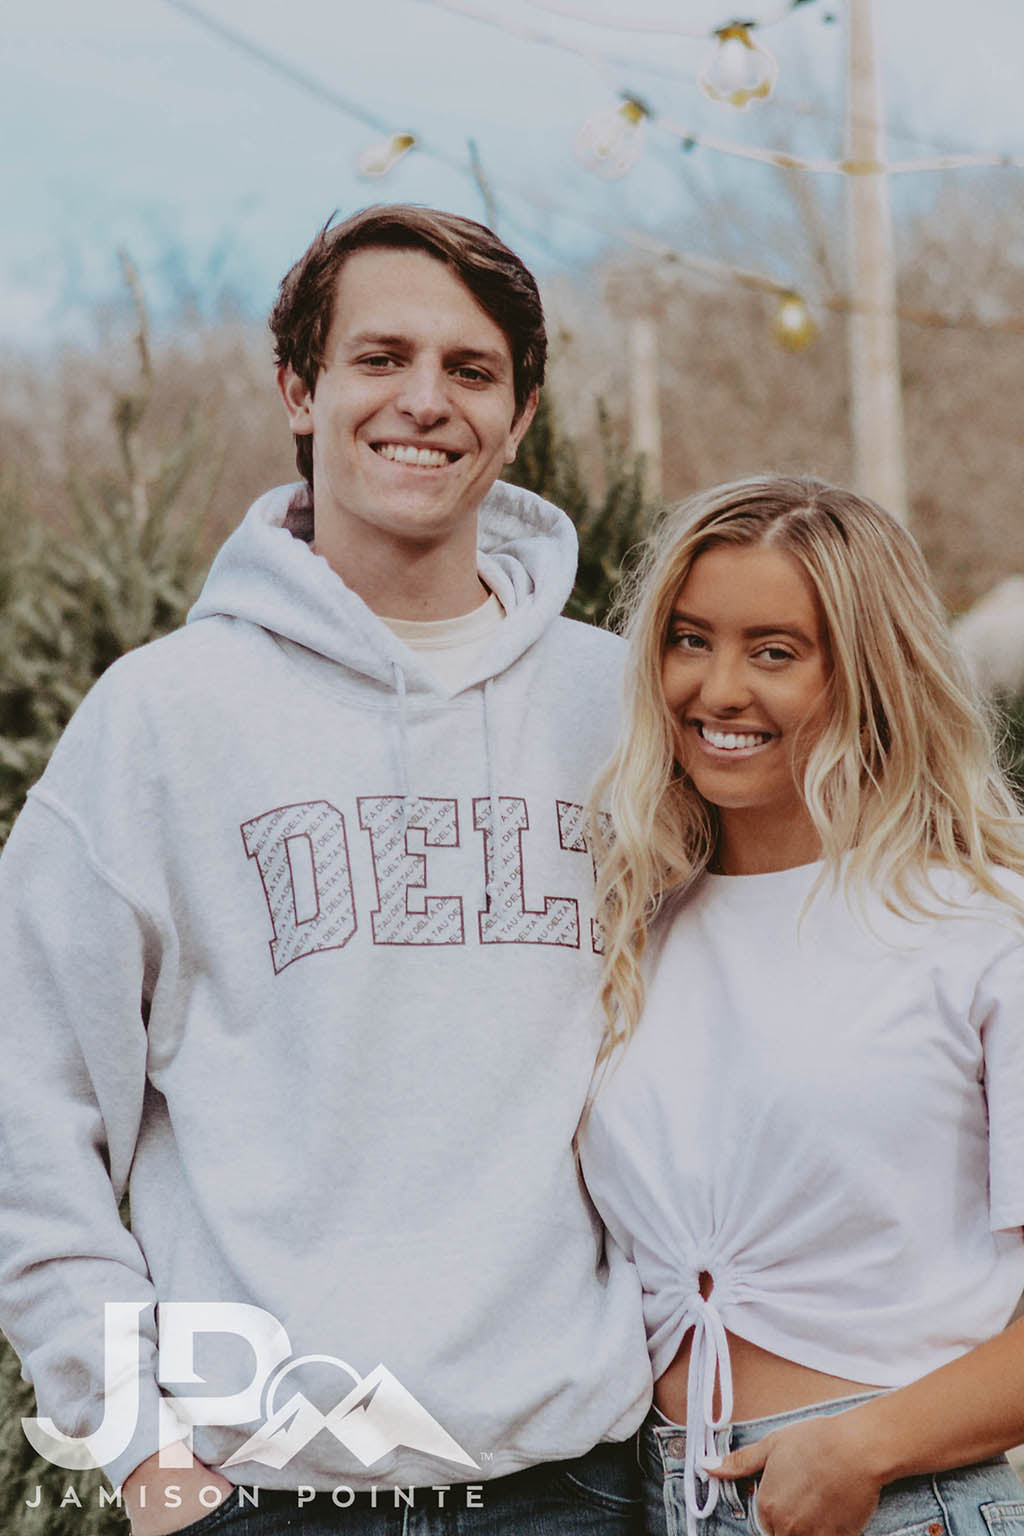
[491,356]
[377,339]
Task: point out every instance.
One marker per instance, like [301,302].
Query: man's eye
[472,374]
[378,360]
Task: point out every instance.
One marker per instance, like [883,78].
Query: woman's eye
[776,653]
[686,640]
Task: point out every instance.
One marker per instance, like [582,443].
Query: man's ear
[297,399]
[520,426]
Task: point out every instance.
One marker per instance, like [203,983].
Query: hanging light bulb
[793,326]
[612,141]
[737,70]
[377,159]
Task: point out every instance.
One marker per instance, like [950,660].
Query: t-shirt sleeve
[999,1001]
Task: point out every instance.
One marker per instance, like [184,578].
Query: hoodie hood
[267,574]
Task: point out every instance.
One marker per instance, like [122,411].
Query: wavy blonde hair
[903,775]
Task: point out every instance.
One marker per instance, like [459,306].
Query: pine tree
[68,608]
[610,525]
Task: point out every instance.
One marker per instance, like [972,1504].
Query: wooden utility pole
[876,394]
[644,400]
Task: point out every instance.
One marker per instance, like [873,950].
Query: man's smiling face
[412,416]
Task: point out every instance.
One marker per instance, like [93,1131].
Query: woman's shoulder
[959,891]
[965,923]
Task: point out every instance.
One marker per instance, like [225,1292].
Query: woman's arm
[824,1477]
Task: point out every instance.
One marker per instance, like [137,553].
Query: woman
[809,1129]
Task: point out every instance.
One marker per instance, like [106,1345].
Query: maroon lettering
[301,852]
[404,913]
[506,919]
[572,834]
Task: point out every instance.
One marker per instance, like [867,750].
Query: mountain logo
[376,1416]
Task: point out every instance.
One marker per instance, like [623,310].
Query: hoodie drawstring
[493,885]
[493,882]
[403,745]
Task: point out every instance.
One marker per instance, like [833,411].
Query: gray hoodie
[300,948]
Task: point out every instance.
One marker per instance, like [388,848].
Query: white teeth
[405,453]
[728,741]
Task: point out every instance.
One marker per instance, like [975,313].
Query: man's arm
[172,1496]
[74,957]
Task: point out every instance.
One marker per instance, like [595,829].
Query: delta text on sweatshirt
[301,949]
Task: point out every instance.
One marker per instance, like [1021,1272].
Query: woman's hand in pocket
[815,1479]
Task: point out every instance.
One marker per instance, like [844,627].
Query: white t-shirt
[828,1121]
[451,648]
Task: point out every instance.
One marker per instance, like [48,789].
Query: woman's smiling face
[745,675]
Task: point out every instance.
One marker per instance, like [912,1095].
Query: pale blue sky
[126,123]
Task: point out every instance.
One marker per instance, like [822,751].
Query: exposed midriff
[762,1383]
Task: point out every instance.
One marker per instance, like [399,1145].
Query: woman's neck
[757,842]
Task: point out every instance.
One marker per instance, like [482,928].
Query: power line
[842,167]
[278,64]
[662,28]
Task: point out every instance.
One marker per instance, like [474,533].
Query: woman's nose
[725,687]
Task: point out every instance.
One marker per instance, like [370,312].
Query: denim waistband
[746,1431]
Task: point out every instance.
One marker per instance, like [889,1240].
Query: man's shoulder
[165,679]
[176,661]
[580,678]
[589,640]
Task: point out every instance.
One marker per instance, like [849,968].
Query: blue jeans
[593,1495]
[986,1499]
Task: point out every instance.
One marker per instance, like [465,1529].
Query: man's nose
[424,393]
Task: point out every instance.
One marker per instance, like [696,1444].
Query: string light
[380,158]
[737,71]
[612,141]
[793,326]
[606,66]
[636,108]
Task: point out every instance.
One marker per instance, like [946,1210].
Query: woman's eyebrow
[759,631]
[751,632]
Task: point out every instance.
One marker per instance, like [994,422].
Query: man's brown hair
[502,286]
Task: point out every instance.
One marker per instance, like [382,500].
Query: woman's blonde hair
[903,775]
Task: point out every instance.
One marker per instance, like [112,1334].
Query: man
[297,930]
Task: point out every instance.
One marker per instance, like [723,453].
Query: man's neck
[409,580]
[423,608]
